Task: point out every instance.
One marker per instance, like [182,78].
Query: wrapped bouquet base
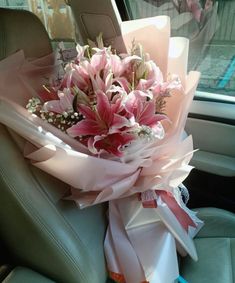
[141,243]
[148,221]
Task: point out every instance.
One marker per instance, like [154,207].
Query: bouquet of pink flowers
[119,115]
[107,101]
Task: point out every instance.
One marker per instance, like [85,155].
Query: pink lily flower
[154,72]
[145,85]
[63,104]
[103,120]
[99,61]
[123,83]
[143,109]
[81,51]
[116,65]
[103,126]
[113,143]
[165,88]
[76,75]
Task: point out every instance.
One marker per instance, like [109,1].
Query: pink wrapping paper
[141,243]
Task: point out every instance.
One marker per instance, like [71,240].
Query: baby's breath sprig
[65,120]
[34,105]
[144,131]
[62,121]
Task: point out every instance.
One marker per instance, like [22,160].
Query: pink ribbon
[149,201]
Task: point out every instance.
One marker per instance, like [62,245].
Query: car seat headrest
[21,29]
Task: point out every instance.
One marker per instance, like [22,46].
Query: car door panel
[212,126]
[212,182]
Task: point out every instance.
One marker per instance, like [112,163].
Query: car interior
[46,238]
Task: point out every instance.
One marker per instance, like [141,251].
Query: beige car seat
[44,232]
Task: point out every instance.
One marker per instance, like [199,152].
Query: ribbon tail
[121,257]
[184,219]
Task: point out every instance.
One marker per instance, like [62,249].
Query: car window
[210,26]
[54,14]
